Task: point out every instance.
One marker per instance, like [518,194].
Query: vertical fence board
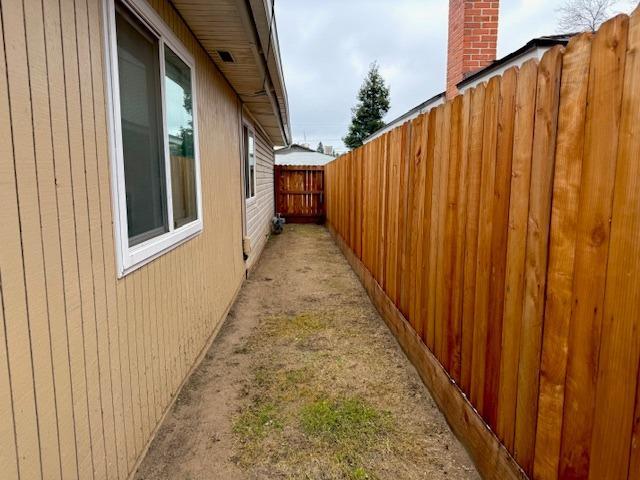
[434,221]
[393,203]
[418,169]
[403,220]
[485,232]
[422,307]
[542,164]
[439,314]
[592,243]
[457,266]
[620,346]
[515,250]
[471,234]
[450,333]
[500,219]
[566,190]
[383,168]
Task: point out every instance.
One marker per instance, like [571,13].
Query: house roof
[538,42]
[247,30]
[295,147]
[414,112]
[300,155]
[495,66]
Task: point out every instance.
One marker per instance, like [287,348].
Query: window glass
[252,165]
[179,107]
[249,164]
[142,143]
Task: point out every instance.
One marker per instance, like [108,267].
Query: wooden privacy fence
[300,193]
[503,230]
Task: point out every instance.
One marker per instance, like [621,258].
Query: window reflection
[179,105]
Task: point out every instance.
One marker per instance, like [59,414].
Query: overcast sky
[327,46]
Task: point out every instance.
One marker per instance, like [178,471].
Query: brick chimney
[473,38]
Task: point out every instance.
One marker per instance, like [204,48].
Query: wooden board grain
[454,339]
[499,235]
[404,221]
[434,230]
[392,243]
[515,250]
[440,315]
[449,311]
[592,243]
[418,170]
[542,168]
[620,347]
[566,191]
[423,285]
[634,454]
[485,232]
[471,233]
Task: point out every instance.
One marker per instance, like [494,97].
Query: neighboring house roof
[241,38]
[535,48]
[298,155]
[410,115]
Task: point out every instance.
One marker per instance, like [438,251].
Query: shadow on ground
[304,381]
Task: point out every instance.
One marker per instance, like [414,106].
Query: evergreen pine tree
[320,148]
[373,104]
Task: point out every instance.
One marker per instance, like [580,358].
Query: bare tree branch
[585,15]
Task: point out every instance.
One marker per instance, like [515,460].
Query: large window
[154,134]
[249,163]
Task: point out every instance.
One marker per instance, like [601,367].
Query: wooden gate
[300,193]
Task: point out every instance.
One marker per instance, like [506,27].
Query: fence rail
[505,227]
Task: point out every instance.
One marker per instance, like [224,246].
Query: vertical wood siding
[260,211]
[520,213]
[89,363]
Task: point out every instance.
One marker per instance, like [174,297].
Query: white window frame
[245,145]
[130,258]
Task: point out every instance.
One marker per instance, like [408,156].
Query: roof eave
[255,73]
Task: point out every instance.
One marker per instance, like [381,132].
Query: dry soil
[305,381]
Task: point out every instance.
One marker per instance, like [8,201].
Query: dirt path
[305,381]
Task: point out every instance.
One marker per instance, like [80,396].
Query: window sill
[148,251]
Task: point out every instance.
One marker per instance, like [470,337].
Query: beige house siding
[89,363]
[259,212]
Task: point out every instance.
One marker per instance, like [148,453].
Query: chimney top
[473,39]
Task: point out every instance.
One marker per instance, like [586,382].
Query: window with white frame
[249,163]
[156,170]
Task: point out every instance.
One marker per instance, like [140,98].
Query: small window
[154,134]
[249,163]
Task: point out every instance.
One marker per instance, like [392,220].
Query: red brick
[472,44]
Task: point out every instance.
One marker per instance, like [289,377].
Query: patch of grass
[263,377]
[348,421]
[257,422]
[297,376]
[299,327]
[360,473]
